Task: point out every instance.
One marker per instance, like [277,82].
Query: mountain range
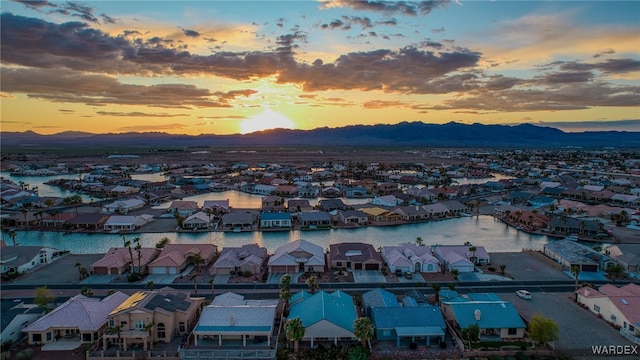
[405,134]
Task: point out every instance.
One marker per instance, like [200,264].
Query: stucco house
[199,220]
[20,259]
[82,319]
[297,256]
[146,317]
[248,257]
[354,256]
[410,257]
[275,220]
[325,316]
[174,258]
[117,261]
[617,306]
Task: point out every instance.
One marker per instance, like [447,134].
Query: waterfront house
[147,317]
[20,259]
[56,220]
[238,220]
[123,206]
[297,256]
[421,193]
[495,318]
[378,298]
[408,324]
[216,206]
[617,306]
[315,219]
[117,261]
[478,257]
[298,205]
[183,208]
[627,255]
[378,214]
[351,217]
[174,258]
[233,321]
[199,220]
[412,213]
[80,319]
[386,201]
[455,207]
[354,256]
[273,203]
[15,316]
[570,253]
[122,190]
[275,220]
[126,222]
[437,210]
[286,190]
[331,205]
[88,221]
[410,257]
[234,260]
[326,316]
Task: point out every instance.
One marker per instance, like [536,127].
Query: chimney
[232,320]
[586,292]
[477,314]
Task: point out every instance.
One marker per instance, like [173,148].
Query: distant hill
[405,134]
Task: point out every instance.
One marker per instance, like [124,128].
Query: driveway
[368,276]
[579,328]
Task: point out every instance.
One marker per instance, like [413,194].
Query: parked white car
[524,294]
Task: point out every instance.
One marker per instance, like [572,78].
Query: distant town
[190,301]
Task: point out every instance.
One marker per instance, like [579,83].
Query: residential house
[617,306]
[437,210]
[386,201]
[233,260]
[216,206]
[230,318]
[174,258]
[15,317]
[495,318]
[378,214]
[121,190]
[82,319]
[262,189]
[298,205]
[627,255]
[412,213]
[273,203]
[123,206]
[410,257]
[286,190]
[275,220]
[352,217]
[325,316]
[386,188]
[297,256]
[183,208]
[56,220]
[148,317]
[480,255]
[21,259]
[356,192]
[570,253]
[331,192]
[118,261]
[421,193]
[315,219]
[378,298]
[407,324]
[354,256]
[332,204]
[455,207]
[238,220]
[126,222]
[88,221]
[199,220]
[577,226]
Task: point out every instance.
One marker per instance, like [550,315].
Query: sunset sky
[224,67]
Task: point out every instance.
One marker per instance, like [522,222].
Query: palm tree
[285,291]
[575,270]
[312,282]
[436,290]
[86,292]
[127,244]
[363,330]
[138,249]
[473,250]
[455,273]
[213,290]
[12,234]
[419,241]
[164,241]
[196,259]
[451,286]
[502,267]
[194,278]
[615,271]
[78,265]
[294,331]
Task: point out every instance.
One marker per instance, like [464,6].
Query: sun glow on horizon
[268,119]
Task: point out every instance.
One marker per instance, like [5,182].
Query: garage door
[371,267]
[278,269]
[159,270]
[590,268]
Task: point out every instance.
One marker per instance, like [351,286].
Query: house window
[338,263]
[161,331]
[632,328]
[596,308]
[86,337]
[613,317]
[48,336]
[36,338]
[310,268]
[139,324]
[625,325]
[112,323]
[181,327]
[513,331]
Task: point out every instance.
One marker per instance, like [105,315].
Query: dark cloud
[500,82]
[438,30]
[603,53]
[411,8]
[138,114]
[108,19]
[333,25]
[190,33]
[99,90]
[613,66]
[380,104]
[35,4]
[565,77]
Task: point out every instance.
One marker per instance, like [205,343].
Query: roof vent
[477,314]
[624,301]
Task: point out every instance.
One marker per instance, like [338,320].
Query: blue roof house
[408,324]
[378,298]
[275,220]
[494,317]
[326,316]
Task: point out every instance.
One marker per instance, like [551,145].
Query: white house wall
[326,329]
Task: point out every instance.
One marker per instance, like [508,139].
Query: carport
[430,333]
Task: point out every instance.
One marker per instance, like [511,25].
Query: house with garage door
[117,261]
[354,256]
[174,258]
[410,257]
[233,260]
[297,256]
